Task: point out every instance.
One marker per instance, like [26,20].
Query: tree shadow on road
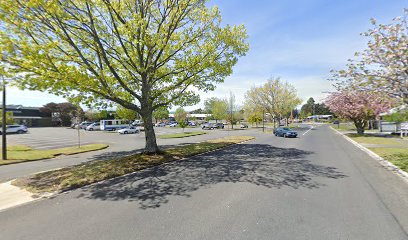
[258,164]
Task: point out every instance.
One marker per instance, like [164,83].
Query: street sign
[404,126]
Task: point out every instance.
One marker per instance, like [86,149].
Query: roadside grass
[344,127]
[181,135]
[389,147]
[376,139]
[95,171]
[21,153]
[398,156]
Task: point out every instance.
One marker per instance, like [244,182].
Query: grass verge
[95,171]
[181,135]
[376,139]
[388,147]
[398,156]
[21,153]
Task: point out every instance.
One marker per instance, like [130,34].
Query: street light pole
[4,122]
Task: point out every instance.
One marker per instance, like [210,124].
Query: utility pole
[4,122]
[263,120]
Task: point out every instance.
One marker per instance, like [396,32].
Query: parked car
[20,129]
[336,122]
[96,126]
[219,125]
[137,122]
[173,124]
[285,132]
[208,126]
[160,124]
[192,124]
[84,125]
[243,125]
[129,130]
[74,125]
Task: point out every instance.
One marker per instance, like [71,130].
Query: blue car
[285,132]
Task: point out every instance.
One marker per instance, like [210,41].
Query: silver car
[94,127]
[16,129]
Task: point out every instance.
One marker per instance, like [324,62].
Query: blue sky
[299,41]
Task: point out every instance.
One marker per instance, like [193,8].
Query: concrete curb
[12,196]
[388,165]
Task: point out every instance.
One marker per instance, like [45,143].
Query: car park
[19,129]
[94,127]
[285,132]
[129,130]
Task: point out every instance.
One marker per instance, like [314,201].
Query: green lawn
[21,153]
[181,135]
[398,156]
[391,148]
[376,139]
[95,171]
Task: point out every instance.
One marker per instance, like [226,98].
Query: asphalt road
[119,145]
[318,186]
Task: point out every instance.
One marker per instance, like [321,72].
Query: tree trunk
[360,125]
[150,136]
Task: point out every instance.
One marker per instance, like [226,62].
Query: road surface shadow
[259,164]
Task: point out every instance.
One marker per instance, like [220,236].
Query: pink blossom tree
[383,65]
[358,106]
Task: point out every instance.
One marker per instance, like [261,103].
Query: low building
[320,117]
[29,116]
[197,116]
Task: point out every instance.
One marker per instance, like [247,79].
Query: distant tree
[49,108]
[401,116]
[255,117]
[9,118]
[219,109]
[322,109]
[63,113]
[232,116]
[125,113]
[197,111]
[275,97]
[209,104]
[161,113]
[358,106]
[181,117]
[308,108]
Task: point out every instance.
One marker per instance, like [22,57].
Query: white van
[113,125]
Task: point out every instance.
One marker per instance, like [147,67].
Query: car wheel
[125,132]
[91,129]
[113,129]
[20,131]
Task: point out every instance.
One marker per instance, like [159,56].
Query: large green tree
[140,54]
[275,97]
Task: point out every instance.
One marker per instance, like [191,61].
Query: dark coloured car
[285,132]
[336,122]
[207,126]
[219,125]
